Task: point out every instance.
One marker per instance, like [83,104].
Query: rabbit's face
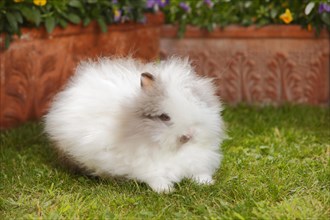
[173,115]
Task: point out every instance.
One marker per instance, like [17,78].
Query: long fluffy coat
[157,123]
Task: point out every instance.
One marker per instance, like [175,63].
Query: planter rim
[235,31]
[152,19]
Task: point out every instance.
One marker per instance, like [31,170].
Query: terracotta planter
[273,64]
[36,66]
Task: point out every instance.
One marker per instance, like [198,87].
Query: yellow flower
[40,2]
[286,17]
[117,15]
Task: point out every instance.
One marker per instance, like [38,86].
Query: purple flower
[185,6]
[163,3]
[156,3]
[114,1]
[324,7]
[151,3]
[209,3]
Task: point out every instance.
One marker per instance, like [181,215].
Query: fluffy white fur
[108,123]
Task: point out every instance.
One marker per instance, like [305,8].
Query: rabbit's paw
[203,179]
[161,186]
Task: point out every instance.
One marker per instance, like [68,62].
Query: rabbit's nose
[185,138]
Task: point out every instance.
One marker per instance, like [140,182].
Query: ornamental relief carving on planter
[31,83]
[206,66]
[281,80]
[242,82]
[317,84]
[266,72]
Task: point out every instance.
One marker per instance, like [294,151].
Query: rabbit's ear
[147,81]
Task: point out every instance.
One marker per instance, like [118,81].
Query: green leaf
[63,23]
[12,21]
[325,18]
[76,4]
[273,13]
[32,15]
[36,16]
[92,1]
[102,24]
[27,13]
[18,17]
[2,24]
[86,21]
[309,8]
[74,18]
[7,40]
[50,24]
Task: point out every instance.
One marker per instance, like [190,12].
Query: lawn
[276,166]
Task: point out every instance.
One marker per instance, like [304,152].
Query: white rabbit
[156,123]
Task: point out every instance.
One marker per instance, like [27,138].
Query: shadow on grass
[29,145]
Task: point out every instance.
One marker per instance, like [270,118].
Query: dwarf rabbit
[156,123]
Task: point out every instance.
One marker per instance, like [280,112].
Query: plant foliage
[208,14]
[15,14]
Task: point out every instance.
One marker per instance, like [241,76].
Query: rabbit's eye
[164,117]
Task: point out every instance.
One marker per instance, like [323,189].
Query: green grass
[276,166]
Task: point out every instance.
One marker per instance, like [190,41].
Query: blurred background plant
[207,14]
[15,14]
